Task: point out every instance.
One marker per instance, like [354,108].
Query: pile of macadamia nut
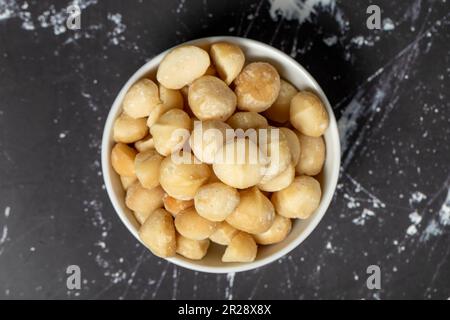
[240,203]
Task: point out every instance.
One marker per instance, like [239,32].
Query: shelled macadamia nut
[207,138]
[278,231]
[182,177]
[122,160]
[312,156]
[170,99]
[175,206]
[247,120]
[299,200]
[279,182]
[273,144]
[141,98]
[192,249]
[171,131]
[216,201]
[279,110]
[242,248]
[240,164]
[127,129]
[141,217]
[294,144]
[181,66]
[308,114]
[223,234]
[127,181]
[158,233]
[145,144]
[143,200]
[211,99]
[257,87]
[228,59]
[254,214]
[193,226]
[147,166]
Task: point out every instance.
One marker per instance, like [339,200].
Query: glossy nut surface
[141,98]
[242,248]
[277,232]
[143,200]
[122,160]
[158,233]
[147,165]
[308,114]
[127,129]
[228,59]
[312,156]
[216,201]
[193,226]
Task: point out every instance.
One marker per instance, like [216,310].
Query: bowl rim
[326,197]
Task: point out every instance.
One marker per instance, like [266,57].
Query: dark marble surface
[389,89]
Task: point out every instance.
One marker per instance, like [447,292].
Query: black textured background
[389,89]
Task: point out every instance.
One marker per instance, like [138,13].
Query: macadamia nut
[127,129]
[175,206]
[242,248]
[216,201]
[281,181]
[254,214]
[171,131]
[207,138]
[247,120]
[223,234]
[312,156]
[158,233]
[122,160]
[240,164]
[181,66]
[308,114]
[299,200]
[193,226]
[257,87]
[228,59]
[293,143]
[145,144]
[127,181]
[279,110]
[143,200]
[141,98]
[147,166]
[211,99]
[181,178]
[277,232]
[192,249]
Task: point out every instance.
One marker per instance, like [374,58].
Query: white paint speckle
[388,24]
[365,215]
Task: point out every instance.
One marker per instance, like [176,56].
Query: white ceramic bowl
[290,70]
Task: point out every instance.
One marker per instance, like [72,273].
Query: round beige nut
[171,131]
[181,66]
[216,201]
[207,138]
[281,181]
[127,129]
[308,114]
[211,99]
[278,231]
[182,177]
[279,110]
[145,144]
[193,226]
[223,234]
[147,166]
[247,120]
[273,144]
[158,233]
[127,181]
[257,87]
[254,214]
[192,249]
[141,217]
[242,248]
[170,99]
[240,164]
[312,156]
[299,200]
[122,160]
[175,206]
[228,59]
[141,98]
[143,200]
[293,143]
